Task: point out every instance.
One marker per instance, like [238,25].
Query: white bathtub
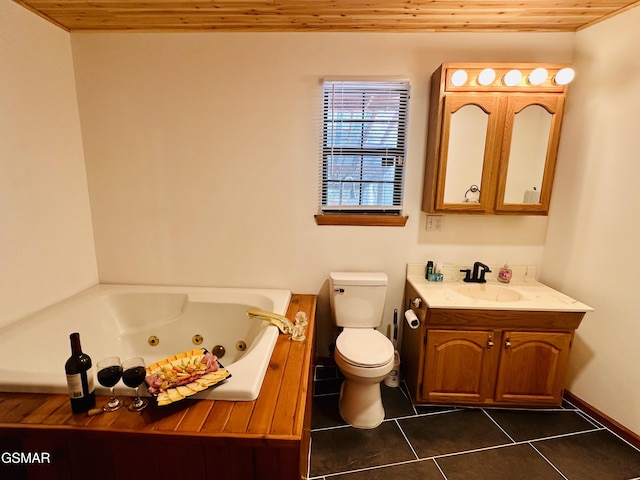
[119,319]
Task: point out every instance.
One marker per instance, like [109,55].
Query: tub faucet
[479,270]
[280,321]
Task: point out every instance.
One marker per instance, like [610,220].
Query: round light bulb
[538,76]
[487,76]
[459,78]
[564,76]
[512,78]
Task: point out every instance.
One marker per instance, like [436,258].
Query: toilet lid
[365,347]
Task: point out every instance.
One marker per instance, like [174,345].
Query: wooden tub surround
[196,439]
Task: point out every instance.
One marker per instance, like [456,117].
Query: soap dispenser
[504,275]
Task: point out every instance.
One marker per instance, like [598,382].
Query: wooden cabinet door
[529,153]
[468,161]
[533,366]
[459,366]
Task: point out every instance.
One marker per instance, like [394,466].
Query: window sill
[362,220]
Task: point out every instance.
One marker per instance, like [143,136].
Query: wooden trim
[326,15]
[362,219]
[631,437]
[503,319]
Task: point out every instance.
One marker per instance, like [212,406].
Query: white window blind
[363,146]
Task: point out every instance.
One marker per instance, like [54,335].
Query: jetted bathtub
[151,322]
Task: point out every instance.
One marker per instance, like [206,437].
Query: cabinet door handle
[507,343]
[490,343]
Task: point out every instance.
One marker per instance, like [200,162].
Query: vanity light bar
[503,76]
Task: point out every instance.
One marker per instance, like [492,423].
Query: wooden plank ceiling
[327,15]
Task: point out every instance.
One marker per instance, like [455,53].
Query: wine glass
[109,373]
[133,374]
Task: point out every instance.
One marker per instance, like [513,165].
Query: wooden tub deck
[198,439]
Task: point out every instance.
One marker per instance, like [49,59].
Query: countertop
[535,296]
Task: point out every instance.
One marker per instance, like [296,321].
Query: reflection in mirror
[528,155]
[467,135]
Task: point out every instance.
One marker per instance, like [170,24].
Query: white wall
[46,238]
[594,226]
[202,158]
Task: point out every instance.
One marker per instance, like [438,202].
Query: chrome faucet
[479,270]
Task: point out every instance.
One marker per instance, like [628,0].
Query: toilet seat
[364,347]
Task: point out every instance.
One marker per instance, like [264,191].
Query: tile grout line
[405,394]
[416,415]
[367,469]
[547,460]
[406,439]
[506,445]
[562,435]
[497,425]
[308,472]
[439,469]
[596,428]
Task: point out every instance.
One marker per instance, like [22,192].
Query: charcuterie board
[184,374]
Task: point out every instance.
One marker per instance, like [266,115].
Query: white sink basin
[491,293]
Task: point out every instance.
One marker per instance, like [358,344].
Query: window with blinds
[363,146]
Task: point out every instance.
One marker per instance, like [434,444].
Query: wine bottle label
[74,382]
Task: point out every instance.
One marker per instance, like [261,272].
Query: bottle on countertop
[429,270]
[504,275]
[80,381]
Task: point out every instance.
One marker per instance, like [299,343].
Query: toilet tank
[357,298]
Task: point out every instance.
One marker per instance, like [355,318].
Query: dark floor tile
[325,412]
[346,448]
[418,470]
[327,387]
[396,403]
[451,432]
[514,462]
[592,456]
[523,425]
[326,372]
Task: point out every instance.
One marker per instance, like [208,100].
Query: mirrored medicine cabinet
[493,137]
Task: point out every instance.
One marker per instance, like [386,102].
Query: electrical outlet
[434,223]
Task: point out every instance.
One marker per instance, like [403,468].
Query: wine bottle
[80,377]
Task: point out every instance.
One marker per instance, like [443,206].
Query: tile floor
[448,443]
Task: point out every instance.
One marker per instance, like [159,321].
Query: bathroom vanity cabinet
[486,357]
[491,149]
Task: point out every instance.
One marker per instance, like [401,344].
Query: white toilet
[362,353]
